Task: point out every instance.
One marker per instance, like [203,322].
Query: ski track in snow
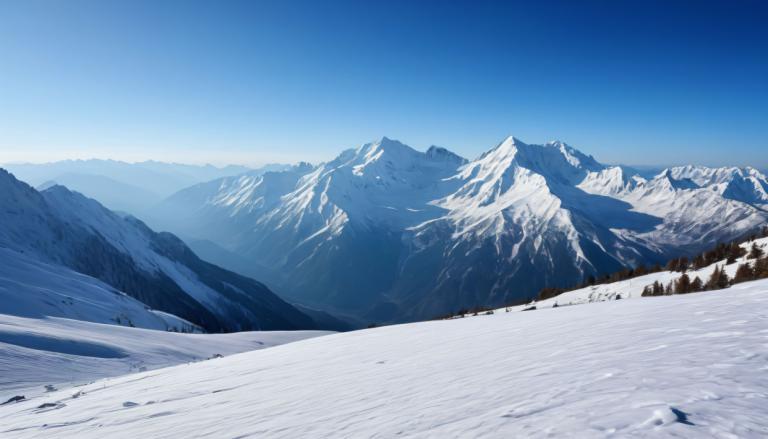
[676,366]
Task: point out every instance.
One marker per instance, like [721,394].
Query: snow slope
[675,366]
[35,352]
[390,233]
[36,289]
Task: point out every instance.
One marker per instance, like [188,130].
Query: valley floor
[677,366]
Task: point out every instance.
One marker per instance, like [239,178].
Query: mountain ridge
[393,233]
[66,228]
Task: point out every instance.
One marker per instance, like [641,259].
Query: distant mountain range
[128,187]
[95,259]
[388,233]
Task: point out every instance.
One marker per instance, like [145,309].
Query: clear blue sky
[645,82]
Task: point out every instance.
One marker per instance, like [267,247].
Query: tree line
[728,251]
[719,279]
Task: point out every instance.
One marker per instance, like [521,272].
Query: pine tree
[699,262]
[718,280]
[683,284]
[658,289]
[647,291]
[734,252]
[724,281]
[697,285]
[761,268]
[673,264]
[755,252]
[744,273]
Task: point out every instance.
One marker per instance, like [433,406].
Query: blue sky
[641,82]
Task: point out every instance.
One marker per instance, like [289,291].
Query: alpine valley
[65,255]
[386,233]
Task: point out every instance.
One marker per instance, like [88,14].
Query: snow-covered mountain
[742,184]
[397,234]
[235,199]
[57,226]
[128,187]
[32,288]
[156,177]
[113,194]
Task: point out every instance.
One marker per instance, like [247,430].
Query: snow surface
[33,288]
[675,366]
[35,352]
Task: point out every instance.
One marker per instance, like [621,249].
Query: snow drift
[677,366]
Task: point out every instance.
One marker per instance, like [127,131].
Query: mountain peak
[509,143]
[383,144]
[439,153]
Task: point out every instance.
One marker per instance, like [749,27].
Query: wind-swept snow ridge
[677,366]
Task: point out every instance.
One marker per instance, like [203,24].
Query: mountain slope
[62,352]
[111,193]
[677,366]
[66,228]
[393,234]
[232,200]
[32,288]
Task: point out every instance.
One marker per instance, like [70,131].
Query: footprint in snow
[667,416]
[129,404]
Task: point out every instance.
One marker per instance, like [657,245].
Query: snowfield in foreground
[58,351]
[677,366]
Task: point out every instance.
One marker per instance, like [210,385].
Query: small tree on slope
[718,280]
[744,273]
[755,252]
[683,284]
[697,285]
